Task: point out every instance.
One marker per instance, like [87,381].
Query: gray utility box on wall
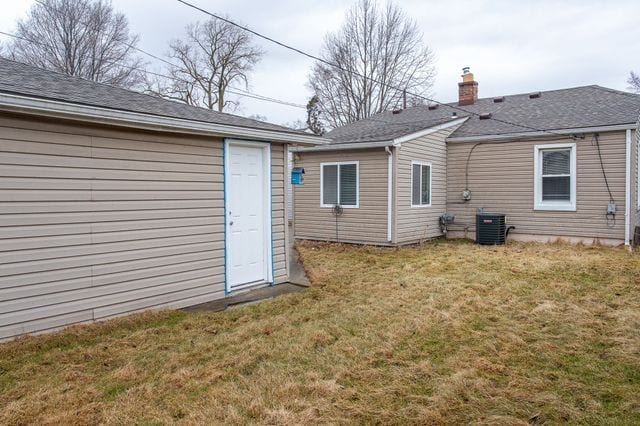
[490,228]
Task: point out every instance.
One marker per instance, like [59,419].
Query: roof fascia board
[527,135]
[99,115]
[428,131]
[343,146]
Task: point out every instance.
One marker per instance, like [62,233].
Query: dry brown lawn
[445,333]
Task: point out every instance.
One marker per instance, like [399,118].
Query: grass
[443,333]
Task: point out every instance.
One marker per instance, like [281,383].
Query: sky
[512,46]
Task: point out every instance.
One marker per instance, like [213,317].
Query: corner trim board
[627,189]
[224,210]
[389,192]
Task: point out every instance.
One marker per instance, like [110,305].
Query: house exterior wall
[414,224]
[501,180]
[96,223]
[279,212]
[366,224]
[635,181]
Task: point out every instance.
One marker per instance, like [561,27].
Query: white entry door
[248,219]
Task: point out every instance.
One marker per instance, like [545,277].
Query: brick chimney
[468,89]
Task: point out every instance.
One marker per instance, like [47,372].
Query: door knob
[230,223]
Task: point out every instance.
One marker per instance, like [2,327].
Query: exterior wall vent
[498,100]
[534,95]
[485,116]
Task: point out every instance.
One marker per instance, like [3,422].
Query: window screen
[340,184]
[420,184]
[348,184]
[556,175]
[330,184]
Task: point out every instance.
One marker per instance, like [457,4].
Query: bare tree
[380,53]
[634,82]
[212,56]
[83,38]
[258,117]
[296,125]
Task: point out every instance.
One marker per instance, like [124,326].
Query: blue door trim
[224,200]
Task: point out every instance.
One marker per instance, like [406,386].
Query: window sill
[555,207]
[330,206]
[420,206]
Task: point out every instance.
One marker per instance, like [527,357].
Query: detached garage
[113,202]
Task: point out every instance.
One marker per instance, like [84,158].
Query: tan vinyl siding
[421,223]
[96,223]
[278,206]
[635,187]
[501,179]
[366,224]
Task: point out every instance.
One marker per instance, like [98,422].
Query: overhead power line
[341,68]
[234,91]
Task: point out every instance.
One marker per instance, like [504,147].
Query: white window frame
[421,163]
[539,204]
[339,163]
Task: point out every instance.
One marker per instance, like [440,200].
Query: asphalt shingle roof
[21,79]
[587,106]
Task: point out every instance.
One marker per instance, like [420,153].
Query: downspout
[389,192]
[627,191]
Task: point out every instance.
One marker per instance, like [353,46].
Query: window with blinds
[339,184]
[420,184]
[555,177]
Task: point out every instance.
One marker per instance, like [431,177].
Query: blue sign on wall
[296,175]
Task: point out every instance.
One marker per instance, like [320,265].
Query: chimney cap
[465,70]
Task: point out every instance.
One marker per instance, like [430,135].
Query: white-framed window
[420,184]
[340,184]
[555,177]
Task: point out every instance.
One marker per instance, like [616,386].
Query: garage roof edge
[100,115]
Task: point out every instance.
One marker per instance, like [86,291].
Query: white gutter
[382,144]
[389,192]
[100,115]
[627,191]
[560,132]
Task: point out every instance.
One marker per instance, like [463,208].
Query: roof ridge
[619,92]
[534,91]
